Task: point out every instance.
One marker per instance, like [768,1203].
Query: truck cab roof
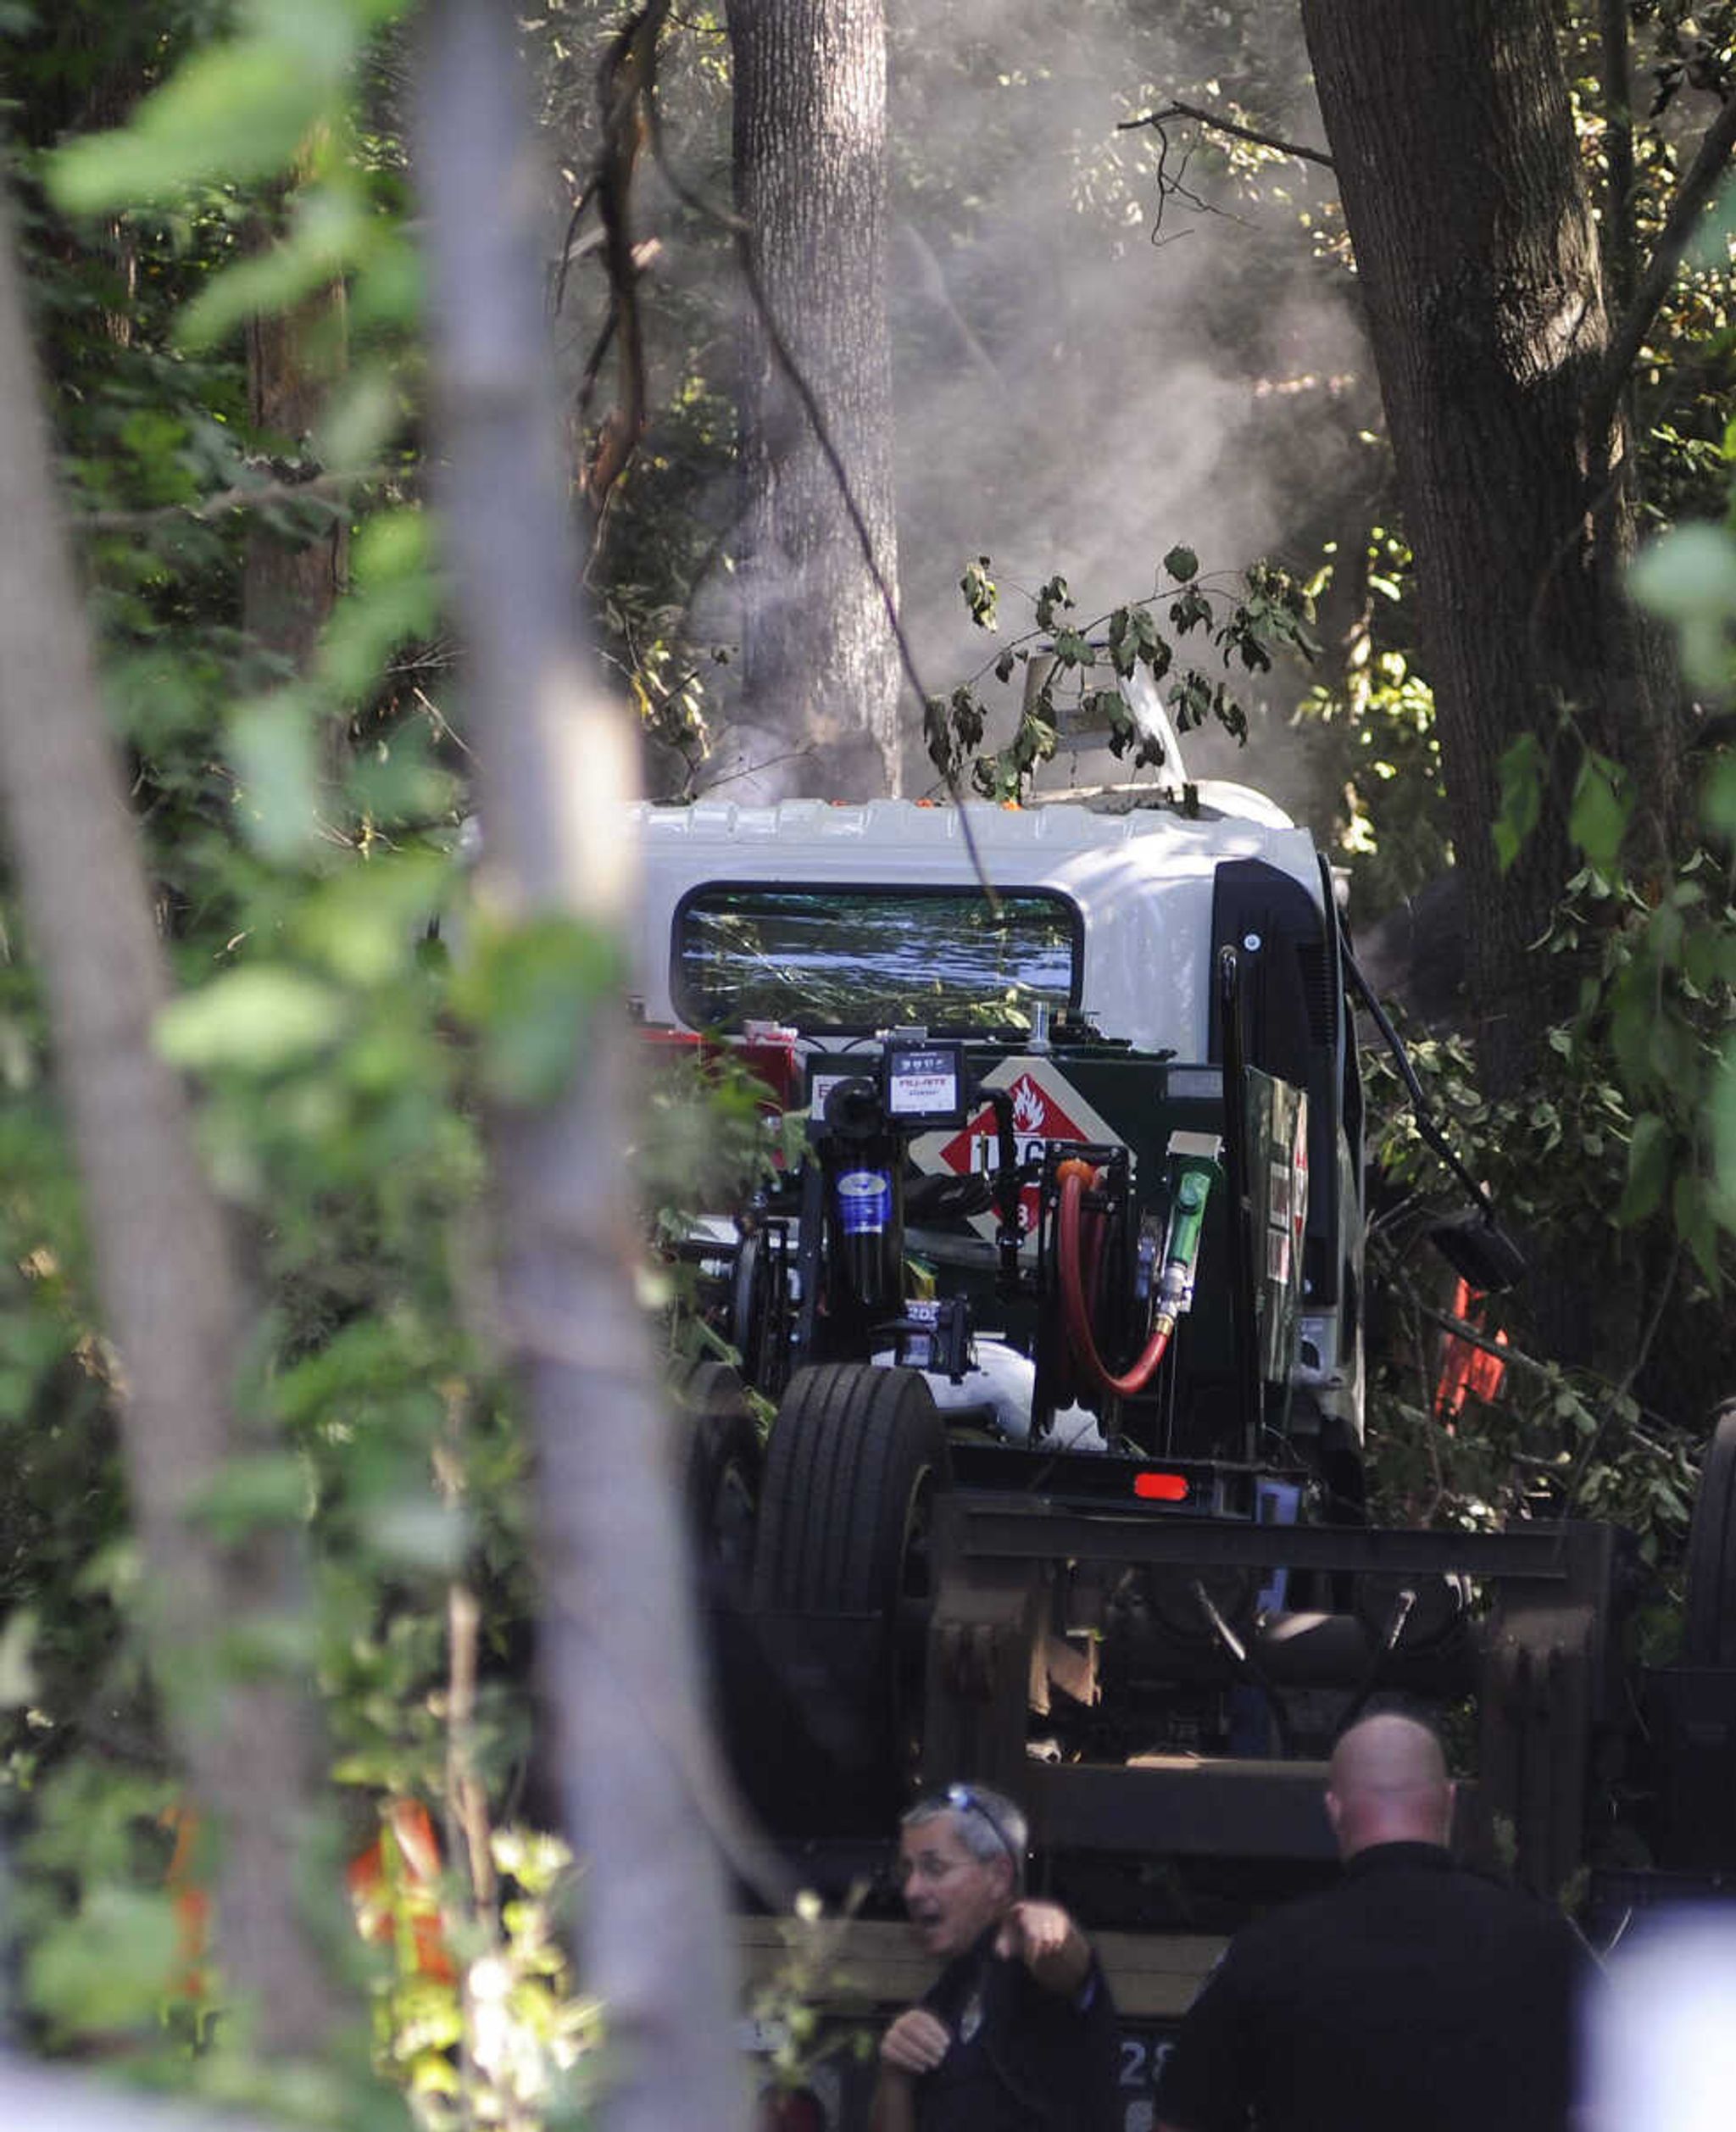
[847,918]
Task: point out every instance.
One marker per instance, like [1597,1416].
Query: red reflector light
[1160,1488]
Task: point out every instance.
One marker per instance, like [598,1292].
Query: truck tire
[760,1307]
[1709,1636]
[842,1578]
[720,1469]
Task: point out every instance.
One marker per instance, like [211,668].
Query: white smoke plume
[1089,373]
[1086,374]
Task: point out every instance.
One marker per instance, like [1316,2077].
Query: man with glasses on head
[1018,2032]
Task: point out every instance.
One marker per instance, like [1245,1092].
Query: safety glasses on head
[963,1800]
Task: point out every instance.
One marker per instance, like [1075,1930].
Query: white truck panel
[1146,975]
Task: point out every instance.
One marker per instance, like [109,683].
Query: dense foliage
[302,828]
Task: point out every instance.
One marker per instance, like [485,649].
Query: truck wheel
[759,1307]
[1710,1628]
[720,1470]
[857,1455]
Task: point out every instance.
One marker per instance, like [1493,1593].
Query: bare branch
[1201,116]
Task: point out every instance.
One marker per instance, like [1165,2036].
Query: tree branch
[1618,147]
[1409,1292]
[1692,196]
[1201,117]
[244,496]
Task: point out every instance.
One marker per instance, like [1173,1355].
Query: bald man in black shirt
[1411,1997]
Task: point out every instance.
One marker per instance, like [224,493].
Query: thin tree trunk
[290,584]
[555,765]
[164,1260]
[821,676]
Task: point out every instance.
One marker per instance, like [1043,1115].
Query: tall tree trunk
[821,677]
[1476,251]
[555,766]
[1477,255]
[164,1259]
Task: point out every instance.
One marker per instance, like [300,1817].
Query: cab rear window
[839,959]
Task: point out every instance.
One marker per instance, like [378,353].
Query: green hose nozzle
[1195,1175]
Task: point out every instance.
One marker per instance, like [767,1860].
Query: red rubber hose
[1080,1338]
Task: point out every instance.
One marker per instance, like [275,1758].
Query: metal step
[1179,1806]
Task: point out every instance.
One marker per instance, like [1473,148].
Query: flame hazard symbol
[1045,1109]
[1029,1109]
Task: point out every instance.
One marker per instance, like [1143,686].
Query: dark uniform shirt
[1412,1997]
[1023,2058]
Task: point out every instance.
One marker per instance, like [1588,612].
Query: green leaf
[156,697]
[394,546]
[251,1493]
[1688,577]
[1688,572]
[108,1967]
[1182,564]
[1630,1038]
[1671,1051]
[1649,1150]
[365,922]
[389,286]
[330,232]
[267,1646]
[365,412]
[1190,609]
[1519,776]
[398,779]
[17,1677]
[1691,1204]
[396,597]
[231,111]
[982,594]
[530,993]
[255,1019]
[418,1532]
[276,757]
[1718,798]
[1666,934]
[1723,1107]
[1597,819]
